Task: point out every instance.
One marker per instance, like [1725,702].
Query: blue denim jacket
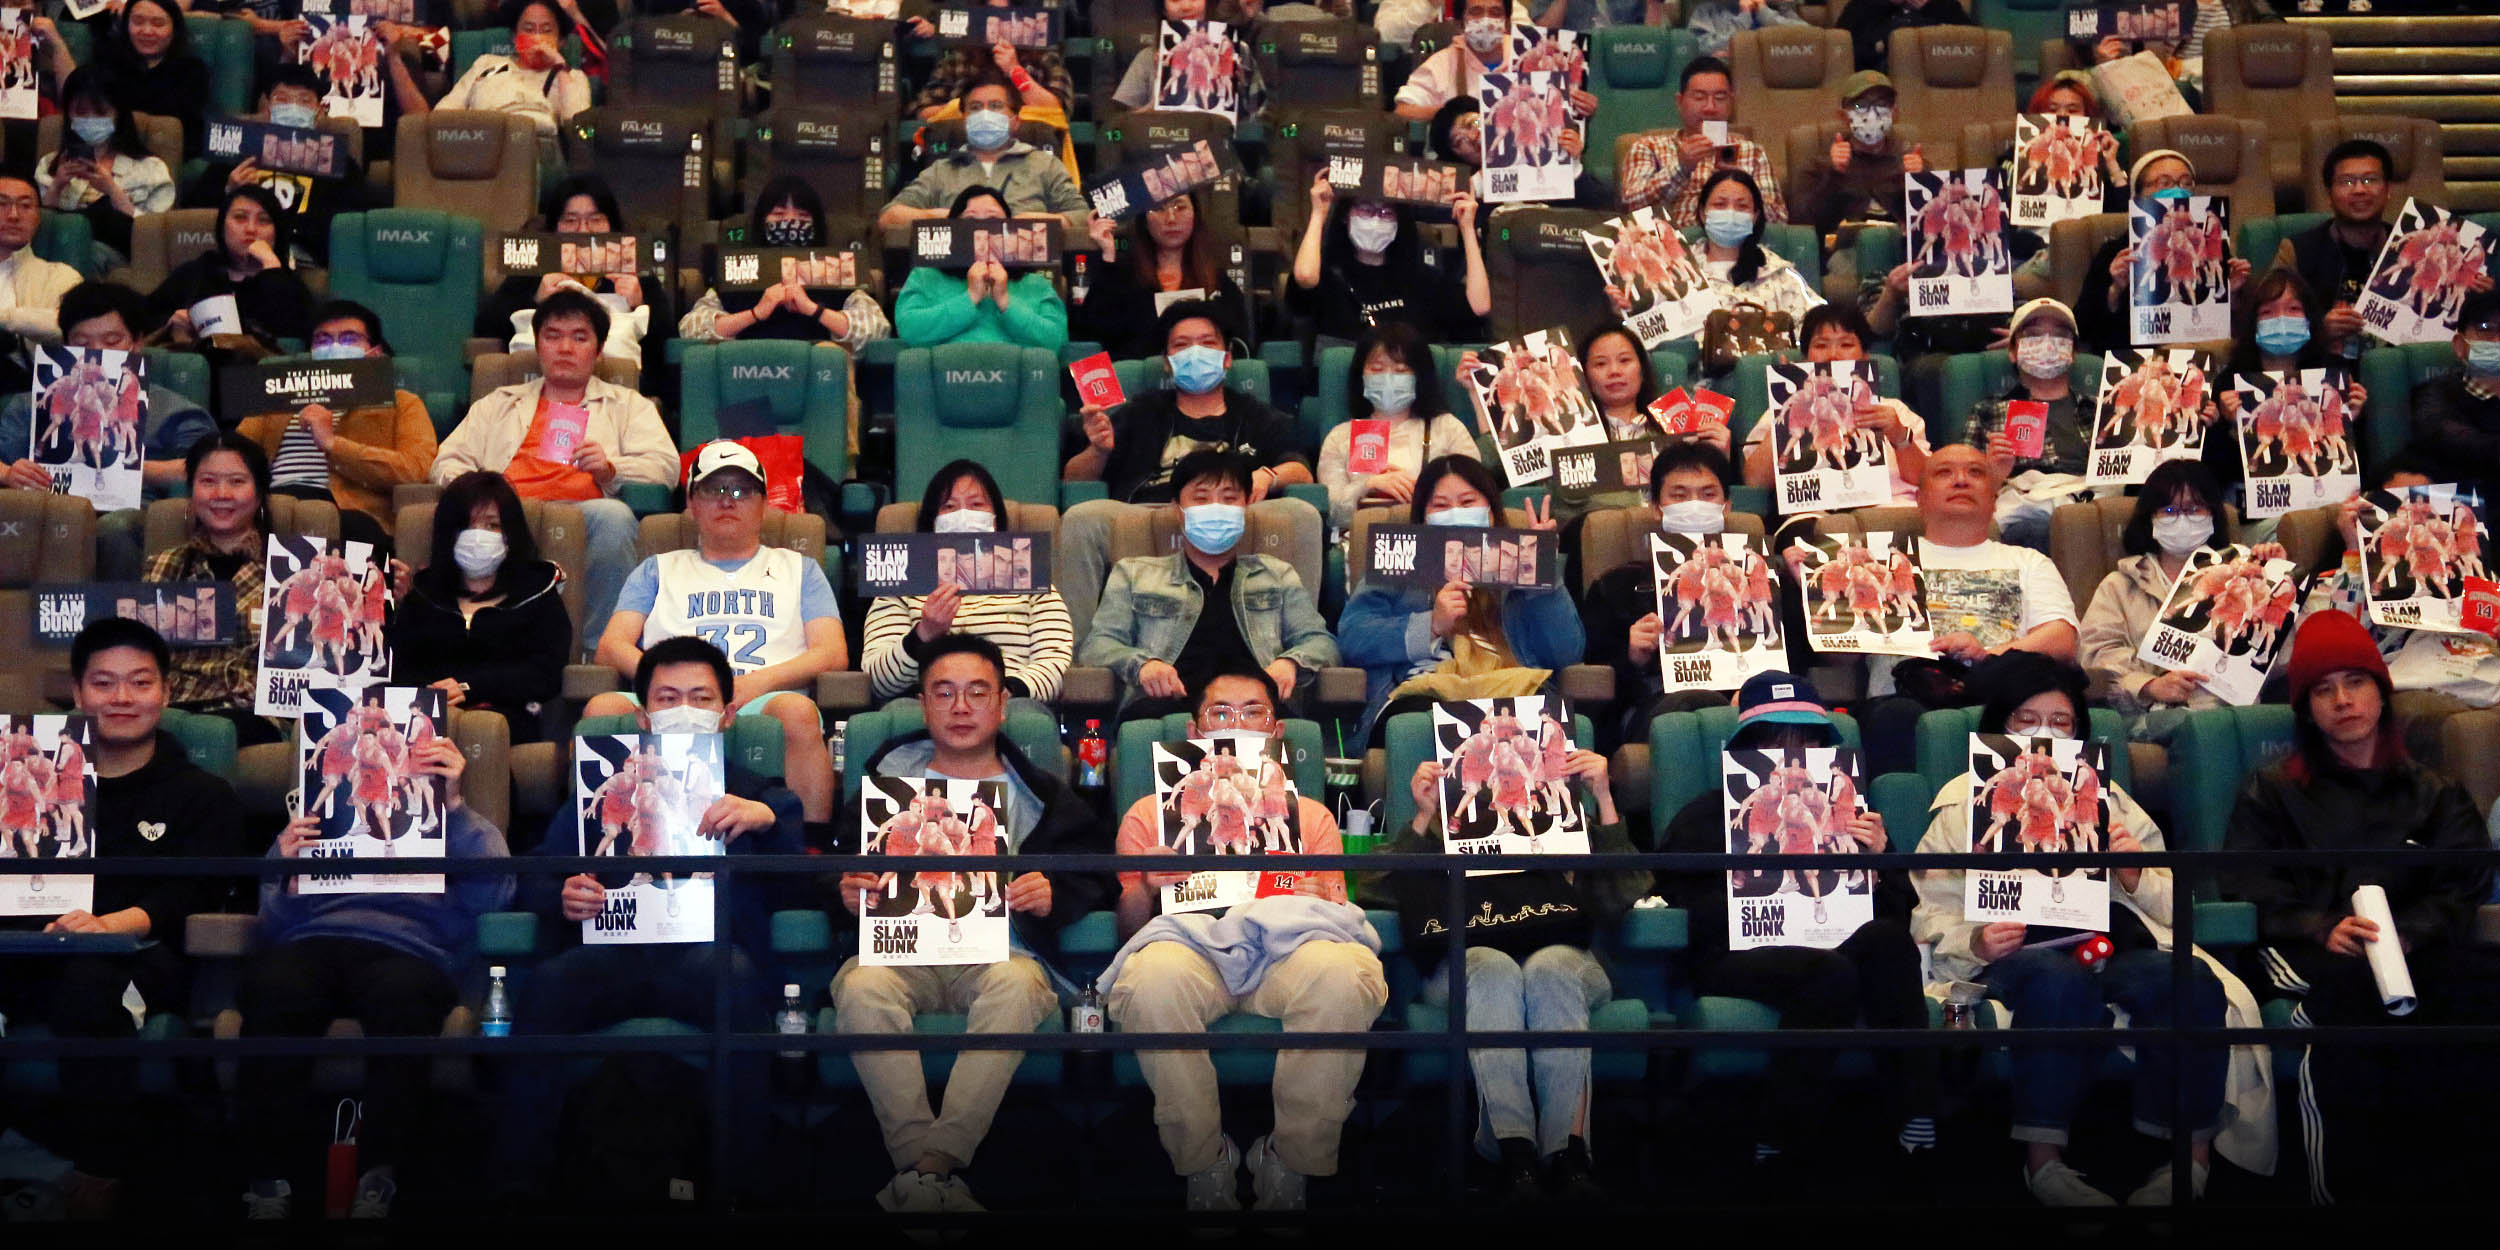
[1151,603]
[1388,632]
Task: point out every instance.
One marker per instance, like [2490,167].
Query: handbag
[1743,329]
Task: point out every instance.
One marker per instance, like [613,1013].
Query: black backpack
[637,1135]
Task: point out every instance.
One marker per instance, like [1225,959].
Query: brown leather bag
[1743,329]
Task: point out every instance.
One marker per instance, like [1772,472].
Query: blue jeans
[612,538]
[2047,989]
[1555,988]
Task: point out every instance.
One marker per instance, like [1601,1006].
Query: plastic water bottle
[790,1072]
[498,1021]
[1092,753]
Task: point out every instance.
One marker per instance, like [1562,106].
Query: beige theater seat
[2278,73]
[489,371]
[161,242]
[161,136]
[2229,154]
[1946,75]
[2412,143]
[1785,77]
[479,165]
[45,540]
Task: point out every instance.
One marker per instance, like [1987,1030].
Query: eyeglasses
[975,694]
[2167,184]
[356,341]
[2357,181]
[2196,511]
[2032,723]
[1227,716]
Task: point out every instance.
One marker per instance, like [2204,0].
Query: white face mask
[2046,356]
[479,553]
[685,719]
[1693,516]
[1869,125]
[1484,34]
[2179,535]
[965,521]
[1371,234]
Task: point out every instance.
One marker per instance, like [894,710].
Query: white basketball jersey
[752,615]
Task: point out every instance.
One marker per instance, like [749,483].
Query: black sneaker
[1572,1181]
[1523,1179]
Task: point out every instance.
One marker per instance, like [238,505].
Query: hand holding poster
[347,53]
[1197,68]
[1824,459]
[957,243]
[306,150]
[1506,785]
[977,564]
[2228,613]
[1370,177]
[1958,258]
[1156,176]
[326,608]
[1651,277]
[1529,394]
[90,412]
[1802,801]
[1718,611]
[1429,557]
[2295,440]
[47,813]
[359,774]
[19,82]
[2038,796]
[916,919]
[2058,162]
[582,255]
[1526,116]
[645,795]
[1228,795]
[2424,272]
[2419,551]
[2136,21]
[2179,284]
[2154,404]
[1864,593]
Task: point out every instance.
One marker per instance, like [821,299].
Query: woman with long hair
[1032,632]
[1394,381]
[249,262]
[484,621]
[1168,253]
[787,214]
[102,170]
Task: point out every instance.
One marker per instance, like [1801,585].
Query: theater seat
[2072,245]
[1786,76]
[160,242]
[160,135]
[1632,72]
[2390,374]
[1539,270]
[2085,541]
[653,156]
[475,164]
[823,60]
[996,403]
[1947,75]
[2030,23]
[50,542]
[806,388]
[838,153]
[2414,145]
[684,60]
[2281,72]
[1300,144]
[1329,64]
[1973,376]
[491,371]
[2229,154]
[421,270]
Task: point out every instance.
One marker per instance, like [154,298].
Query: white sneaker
[1277,1187]
[2057,1185]
[375,1191]
[958,1196]
[915,1192]
[1218,1187]
[272,1201]
[2156,1190]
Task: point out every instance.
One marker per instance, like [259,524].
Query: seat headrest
[1953,56]
[2396,134]
[773,371]
[980,386]
[2274,58]
[680,37]
[1795,58]
[1545,235]
[821,133]
[642,135]
[1319,43]
[1636,63]
[828,38]
[406,244]
[465,146]
[188,233]
[2211,144]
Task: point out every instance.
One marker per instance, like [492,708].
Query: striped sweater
[1032,631]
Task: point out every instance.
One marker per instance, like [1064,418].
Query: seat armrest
[263,774]
[541,781]
[1340,686]
[1088,687]
[1657,929]
[646,498]
[1589,684]
[507,934]
[219,934]
[2220,924]
[2487,925]
[844,692]
[1385,924]
[581,681]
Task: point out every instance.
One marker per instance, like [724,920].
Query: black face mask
[788,233]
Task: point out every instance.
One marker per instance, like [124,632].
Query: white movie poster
[1530,394]
[324,611]
[1796,802]
[1197,69]
[1864,593]
[356,773]
[918,919]
[2296,441]
[1504,790]
[2057,167]
[89,412]
[1958,259]
[1718,610]
[2421,547]
[47,813]
[1526,116]
[1652,278]
[2152,407]
[1226,795]
[19,82]
[1823,459]
[644,795]
[347,52]
[1562,53]
[2418,286]
[2180,281]
[2038,796]
[2228,614]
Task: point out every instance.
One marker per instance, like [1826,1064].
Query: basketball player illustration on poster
[89,413]
[2431,261]
[1958,258]
[1718,610]
[1197,69]
[1651,278]
[646,795]
[1531,397]
[1825,460]
[1226,795]
[2179,281]
[19,86]
[2228,613]
[357,774]
[1506,784]
[1864,593]
[347,53]
[2419,548]
[47,813]
[938,916]
[2058,163]
[2154,405]
[2038,796]
[1804,801]
[2295,432]
[327,610]
[1526,116]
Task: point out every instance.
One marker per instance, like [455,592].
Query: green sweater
[933,309]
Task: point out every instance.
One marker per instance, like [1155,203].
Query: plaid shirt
[213,675]
[1653,176]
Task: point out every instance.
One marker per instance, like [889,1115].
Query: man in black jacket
[150,801]
[963,694]
[1135,449]
[2334,257]
[2347,785]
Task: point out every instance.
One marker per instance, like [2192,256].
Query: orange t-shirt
[535,478]
[1319,837]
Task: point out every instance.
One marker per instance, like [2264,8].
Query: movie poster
[356,770]
[47,812]
[645,795]
[2151,408]
[1226,795]
[1794,802]
[20,83]
[2418,286]
[921,919]
[1824,459]
[978,564]
[1530,394]
[1433,184]
[2057,168]
[1718,610]
[1428,557]
[2038,796]
[1150,178]
[1864,593]
[347,53]
[2296,441]
[1504,786]
[1525,118]
[1593,468]
[2180,282]
[324,609]
[1653,277]
[1959,263]
[1197,69]
[184,614]
[2228,614]
[986,27]
[89,415]
[2421,551]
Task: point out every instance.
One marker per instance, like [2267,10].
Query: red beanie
[2329,641]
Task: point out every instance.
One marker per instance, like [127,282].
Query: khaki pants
[1324,987]
[1010,997]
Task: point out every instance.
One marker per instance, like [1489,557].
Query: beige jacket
[624,423]
[2121,613]
[36,286]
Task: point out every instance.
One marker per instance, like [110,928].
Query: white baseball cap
[722,453]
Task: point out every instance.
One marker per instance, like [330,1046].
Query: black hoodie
[169,808]
[512,654]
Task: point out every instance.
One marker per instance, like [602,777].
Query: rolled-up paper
[2387,954]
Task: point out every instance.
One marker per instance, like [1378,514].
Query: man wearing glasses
[2335,256]
[963,695]
[769,609]
[1302,954]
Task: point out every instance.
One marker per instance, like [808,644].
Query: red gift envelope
[1097,383]
[1673,411]
[2027,427]
[1367,445]
[1710,411]
[2481,610]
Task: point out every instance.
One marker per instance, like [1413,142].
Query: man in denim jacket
[1151,629]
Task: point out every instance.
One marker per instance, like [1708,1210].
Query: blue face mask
[1478,516]
[2282,336]
[1197,370]
[338,351]
[1214,527]
[91,130]
[1727,227]
[300,116]
[1389,392]
[988,130]
[2483,356]
[2169,193]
